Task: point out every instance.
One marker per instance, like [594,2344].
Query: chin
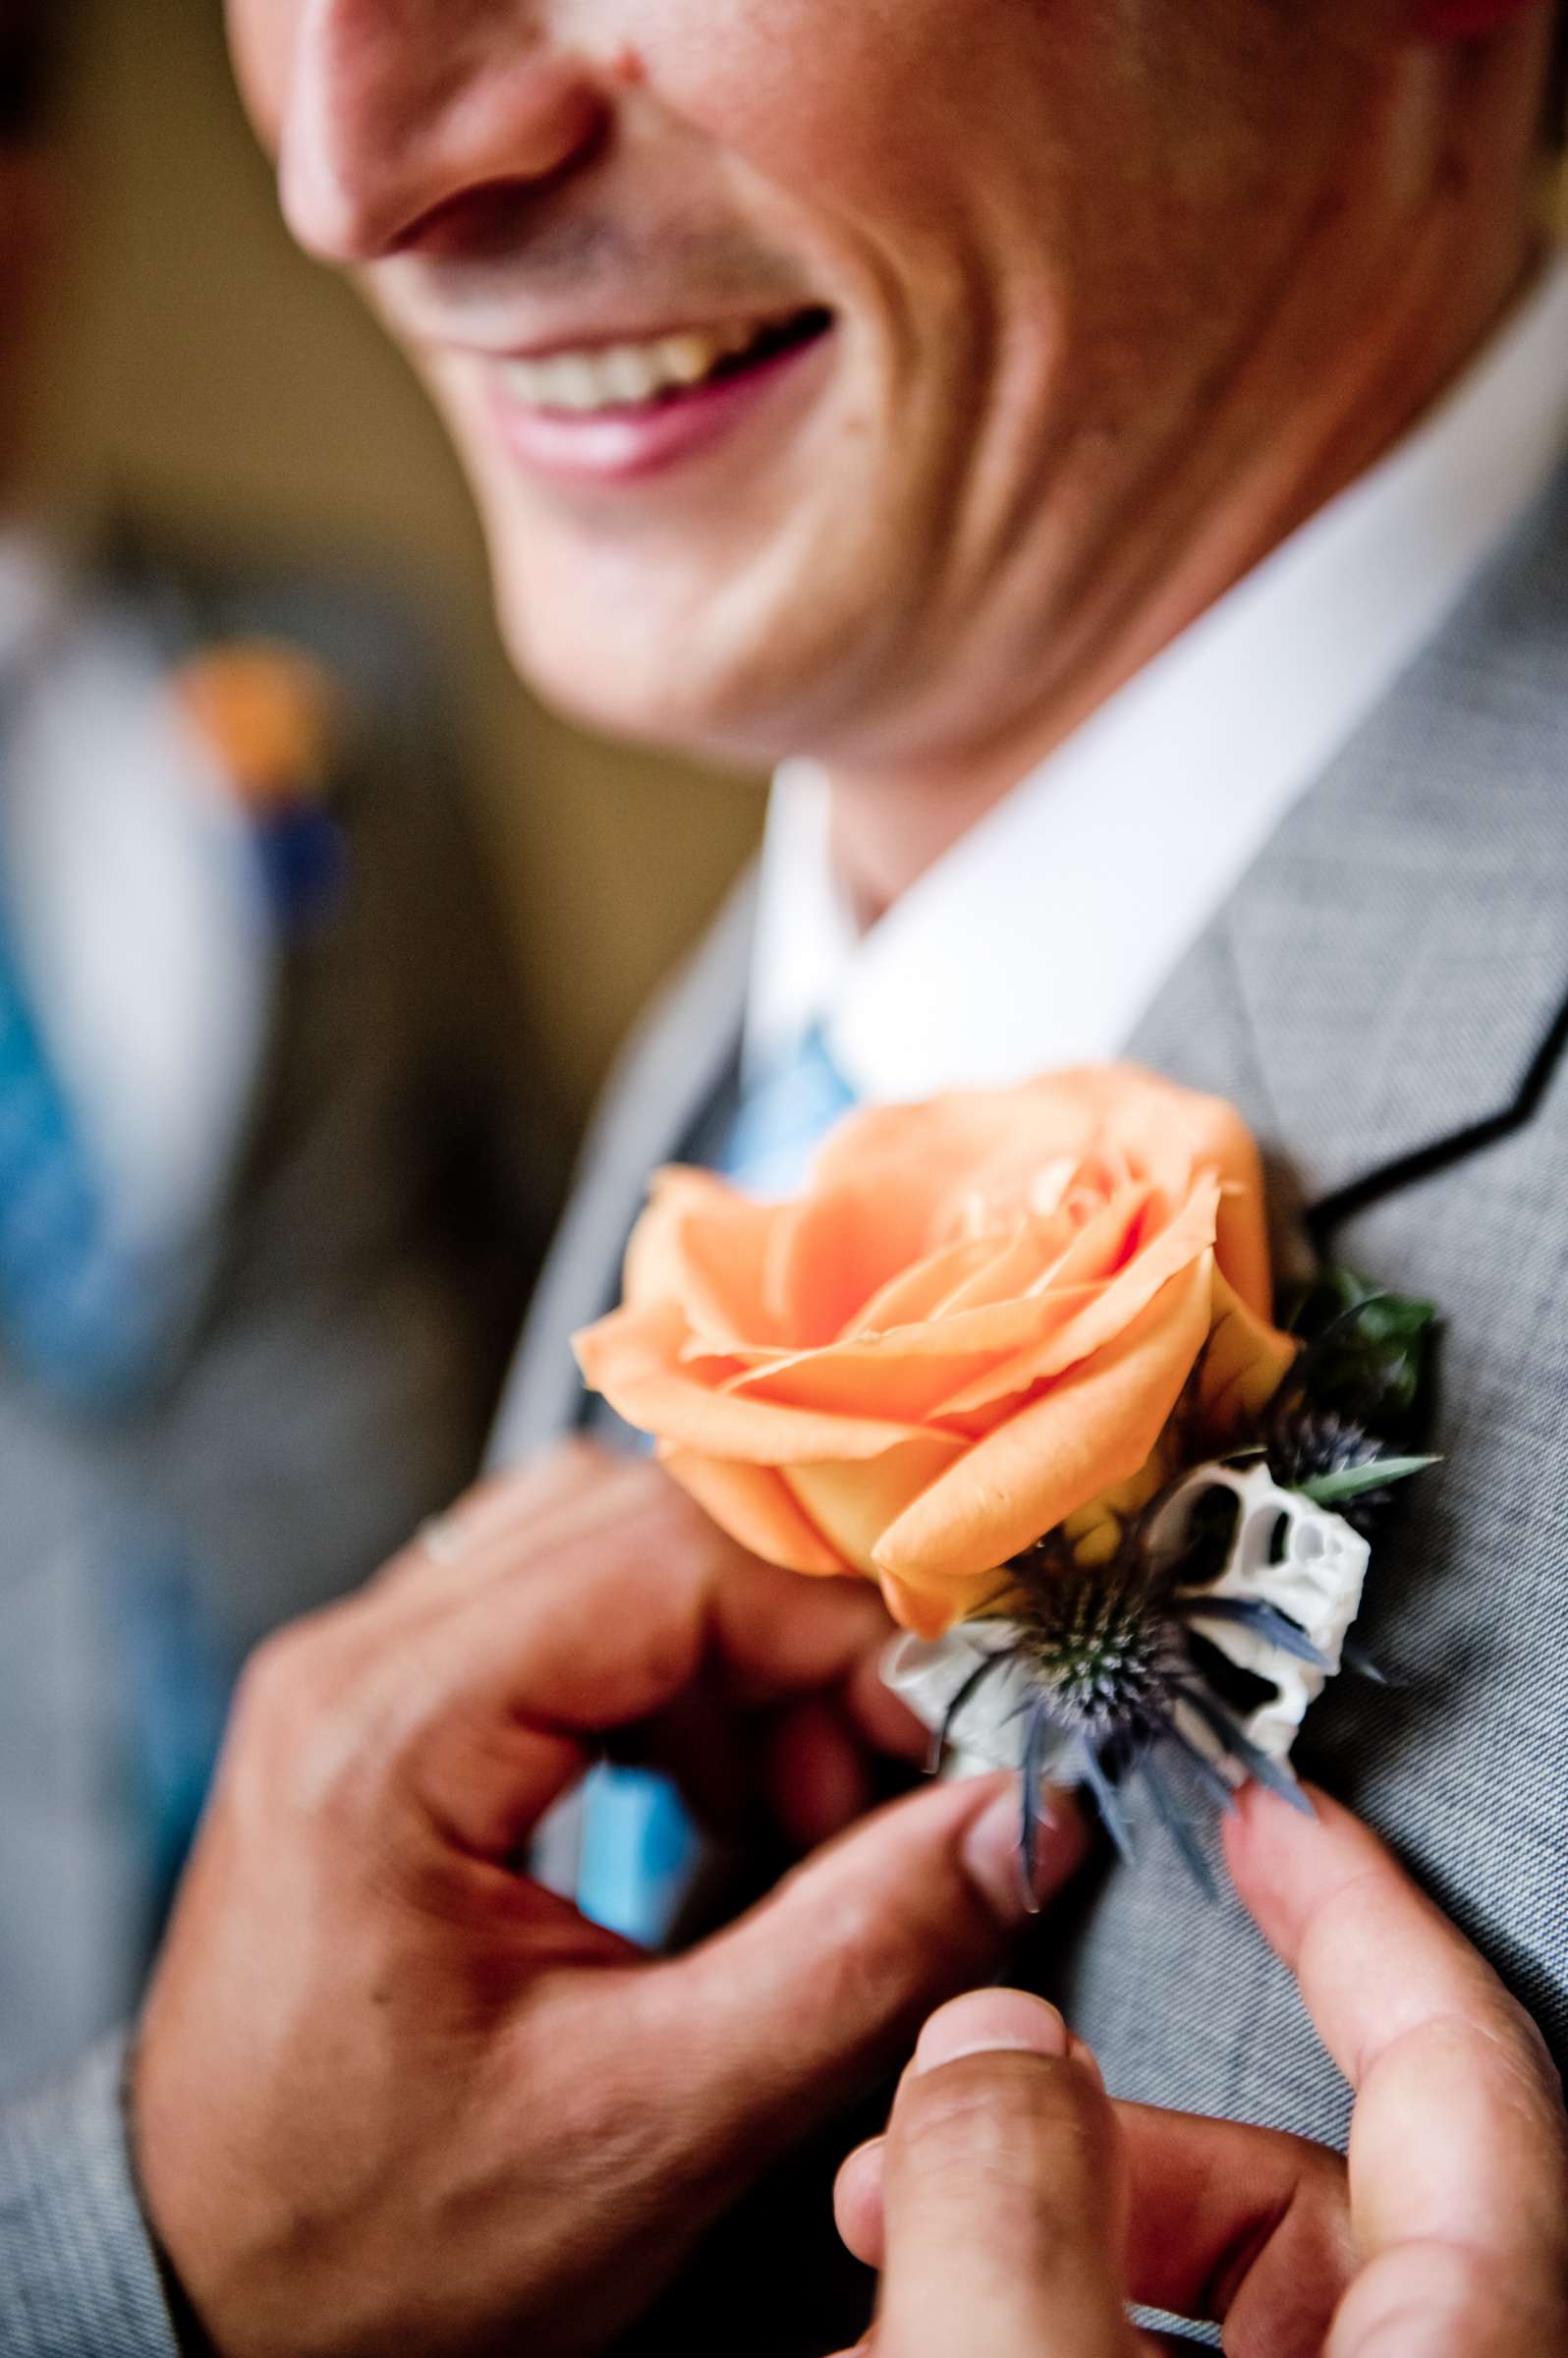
[649,684]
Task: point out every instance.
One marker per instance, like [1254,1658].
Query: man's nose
[394,113]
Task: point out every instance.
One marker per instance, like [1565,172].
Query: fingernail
[991,2022]
[988,1856]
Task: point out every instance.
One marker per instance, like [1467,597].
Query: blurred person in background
[272,1182]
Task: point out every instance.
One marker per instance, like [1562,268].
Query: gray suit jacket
[333,1383]
[1386,999]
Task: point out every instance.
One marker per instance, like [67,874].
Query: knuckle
[880,1955]
[1535,2057]
[604,2106]
[273,1675]
[292,1698]
[862,1967]
[1501,2044]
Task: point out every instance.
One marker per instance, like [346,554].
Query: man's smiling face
[808,355]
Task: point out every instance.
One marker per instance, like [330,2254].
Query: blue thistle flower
[1111,1676]
[1107,1657]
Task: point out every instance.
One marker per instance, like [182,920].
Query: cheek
[943,163]
[853,108]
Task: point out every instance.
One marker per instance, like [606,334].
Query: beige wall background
[203,372]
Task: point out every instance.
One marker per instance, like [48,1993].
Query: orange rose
[972,1327]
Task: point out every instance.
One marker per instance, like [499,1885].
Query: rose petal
[853,1505]
[1093,1429]
[907,1373]
[703,1244]
[1109,1312]
[1244,1362]
[918,1292]
[937,1145]
[927,1614]
[985,1274]
[1022,1266]
[1243,1241]
[633,1357]
[829,1254]
[753,1504]
[940,1146]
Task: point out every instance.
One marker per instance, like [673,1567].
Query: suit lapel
[1387,991]
[673,1068]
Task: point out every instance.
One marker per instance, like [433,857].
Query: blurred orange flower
[270,716]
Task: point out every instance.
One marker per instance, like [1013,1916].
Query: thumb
[818,1992]
[1003,2189]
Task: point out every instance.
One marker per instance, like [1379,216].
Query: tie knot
[783,1116]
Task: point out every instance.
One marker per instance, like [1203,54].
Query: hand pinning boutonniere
[1015,1356]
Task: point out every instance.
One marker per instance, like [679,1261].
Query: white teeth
[625,376]
[573,383]
[632,372]
[686,360]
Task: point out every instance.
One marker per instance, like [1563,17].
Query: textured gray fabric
[78,2275]
[1381,980]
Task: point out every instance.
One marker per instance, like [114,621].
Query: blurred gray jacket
[1385,997]
[330,1384]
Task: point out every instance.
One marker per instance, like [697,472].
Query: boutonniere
[274,723]
[1015,1356]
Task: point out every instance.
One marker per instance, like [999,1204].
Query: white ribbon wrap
[1301,1558]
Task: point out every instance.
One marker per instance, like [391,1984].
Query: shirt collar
[1042,936]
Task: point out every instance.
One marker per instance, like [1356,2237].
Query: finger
[888,1726]
[1459,2132]
[804,1764]
[598,1623]
[858,2202]
[858,2188]
[508,1517]
[816,1774]
[1244,2226]
[510,1521]
[780,2020]
[1003,2193]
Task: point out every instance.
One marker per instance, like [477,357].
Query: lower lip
[611,446]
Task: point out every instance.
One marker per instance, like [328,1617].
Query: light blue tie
[639,1846]
[83,1322]
[68,1299]
[783,1119]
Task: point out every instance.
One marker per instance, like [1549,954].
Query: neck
[1291,430]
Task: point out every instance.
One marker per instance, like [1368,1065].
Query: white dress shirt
[1041,938]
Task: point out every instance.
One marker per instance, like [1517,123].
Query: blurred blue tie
[83,1323]
[639,1846]
[782,1119]
[68,1301]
